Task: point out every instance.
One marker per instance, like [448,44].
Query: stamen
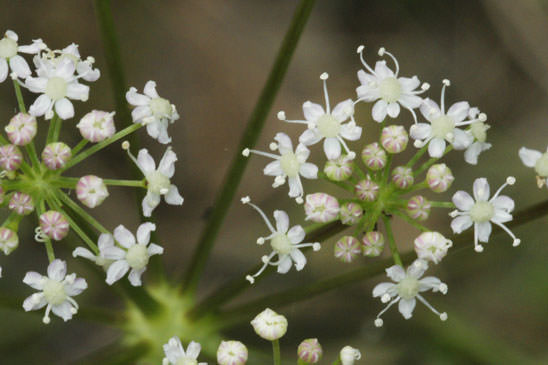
[260,153]
[477,246]
[324,78]
[46,318]
[273,146]
[510,180]
[383,51]
[316,246]
[445,84]
[441,315]
[268,224]
[251,278]
[385,309]
[517,241]
[367,67]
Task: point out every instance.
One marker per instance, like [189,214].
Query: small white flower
[269,325]
[407,288]
[132,255]
[158,179]
[443,125]
[479,132]
[390,91]
[432,246]
[55,291]
[481,211]
[176,354]
[84,68]
[349,354]
[331,126]
[9,58]
[106,241]
[153,111]
[538,161]
[289,164]
[232,353]
[285,243]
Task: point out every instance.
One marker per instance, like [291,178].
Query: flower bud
[339,169]
[374,157]
[310,351]
[269,325]
[21,203]
[321,207]
[394,138]
[347,248]
[54,225]
[367,190]
[349,355]
[91,191]
[10,157]
[418,208]
[232,353]
[439,178]
[56,155]
[21,129]
[373,244]
[432,246]
[97,125]
[8,240]
[402,177]
[350,213]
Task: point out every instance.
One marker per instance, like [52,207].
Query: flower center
[185,360]
[482,212]
[541,167]
[158,183]
[390,89]
[479,131]
[8,47]
[160,107]
[56,88]
[137,256]
[442,126]
[408,288]
[328,126]
[290,164]
[281,244]
[54,292]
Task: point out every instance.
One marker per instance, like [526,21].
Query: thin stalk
[51,129]
[70,182]
[448,205]
[40,209]
[81,212]
[276,352]
[431,161]
[391,241]
[341,184]
[249,139]
[79,146]
[417,156]
[57,129]
[411,221]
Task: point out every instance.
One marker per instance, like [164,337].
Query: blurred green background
[211,59]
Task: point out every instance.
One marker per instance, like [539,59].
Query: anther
[125,145]
[510,180]
[360,49]
[245,152]
[281,115]
[324,76]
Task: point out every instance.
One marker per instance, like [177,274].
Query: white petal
[365,78]
[35,84]
[154,249]
[105,240]
[282,221]
[295,187]
[150,202]
[436,147]
[406,307]
[484,231]
[429,283]
[296,234]
[135,276]
[40,105]
[409,84]
[302,153]
[12,35]
[64,109]
[299,258]
[350,131]
[417,268]
[332,148]
[379,111]
[430,109]
[20,66]
[410,101]
[461,223]
[481,189]
[77,287]
[63,310]
[123,236]
[421,131]
[113,253]
[167,163]
[57,270]
[173,197]
[173,350]
[193,350]
[83,252]
[382,71]
[284,143]
[529,157]
[461,139]
[143,232]
[145,161]
[309,170]
[78,91]
[141,112]
[116,271]
[501,216]
[343,110]
[34,280]
[136,99]
[472,153]
[380,289]
[463,201]
[458,111]
[150,89]
[65,68]
[396,273]
[393,109]
[34,302]
[310,137]
[312,111]
[274,168]
[285,264]
[503,202]
[3,69]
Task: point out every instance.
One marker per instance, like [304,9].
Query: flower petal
[529,157]
[461,139]
[296,234]
[167,163]
[430,109]
[285,264]
[116,271]
[150,90]
[343,110]
[135,276]
[382,288]
[282,221]
[136,99]
[310,137]
[350,131]
[145,161]
[154,249]
[421,131]
[309,170]
[503,202]
[78,91]
[193,350]
[284,143]
[436,147]
[463,201]
[3,69]
[57,270]
[461,223]
[34,280]
[173,197]
[124,237]
[298,258]
[458,111]
[379,110]
[484,231]
[393,109]
[481,189]
[150,202]
[273,168]
[406,307]
[143,232]
[20,67]
[396,273]
[64,109]
[77,287]
[40,106]
[63,310]
[332,148]
[312,111]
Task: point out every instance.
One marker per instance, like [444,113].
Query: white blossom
[105,242]
[479,133]
[84,68]
[349,355]
[538,161]
[10,59]
[269,325]
[175,354]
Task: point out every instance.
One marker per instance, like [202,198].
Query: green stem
[341,184]
[416,157]
[448,205]
[431,161]
[411,221]
[70,182]
[81,212]
[19,96]
[51,129]
[249,139]
[79,146]
[57,129]
[391,241]
[276,352]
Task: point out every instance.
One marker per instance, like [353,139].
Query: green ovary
[442,126]
[290,165]
[281,244]
[328,126]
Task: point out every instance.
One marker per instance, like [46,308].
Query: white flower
[158,179]
[57,83]
[538,161]
[176,354]
[479,132]
[285,243]
[55,291]
[349,354]
[432,246]
[269,325]
[106,241]
[331,126]
[408,285]
[443,125]
[288,164]
[153,111]
[232,353]
[133,255]
[84,68]
[482,211]
[9,59]
[390,91]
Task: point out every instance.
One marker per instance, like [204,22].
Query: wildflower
[432,246]
[56,155]
[444,125]
[349,354]
[347,249]
[105,243]
[537,160]
[329,125]
[478,131]
[21,203]
[374,157]
[310,351]
[21,129]
[288,164]
[176,354]
[57,84]
[321,207]
[97,125]
[390,91]
[285,243]
[91,191]
[418,207]
[481,211]
[439,178]
[372,243]
[8,240]
[350,213]
[55,291]
[394,138]
[408,285]
[9,50]
[402,177]
[84,68]
[10,157]
[132,256]
[158,179]
[367,190]
[339,169]
[54,225]
[269,325]
[232,353]
[151,110]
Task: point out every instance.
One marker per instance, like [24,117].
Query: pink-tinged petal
[382,71]
[310,137]
[461,139]
[436,147]
[458,111]
[64,109]
[503,202]
[135,276]
[20,67]
[40,106]
[421,131]
[116,271]
[167,163]
[296,234]
[57,270]
[396,273]
[461,223]
[143,232]
[351,131]
[309,171]
[77,287]
[284,143]
[312,111]
[150,90]
[284,265]
[463,201]
[3,69]
[430,109]
[393,109]
[380,289]
[484,231]
[529,157]
[173,197]
[379,110]
[78,91]
[146,162]
[406,307]
[154,249]
[481,189]
[282,221]
[123,236]
[332,148]
[274,168]
[298,258]
[63,310]
[34,280]
[343,110]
